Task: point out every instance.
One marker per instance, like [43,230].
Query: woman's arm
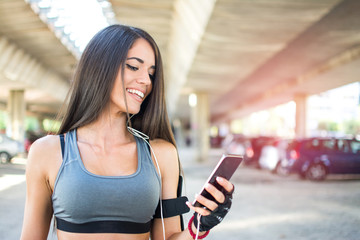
[38,205]
[167,157]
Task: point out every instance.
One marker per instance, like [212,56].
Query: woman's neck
[106,130]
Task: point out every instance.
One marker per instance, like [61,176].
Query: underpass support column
[200,126]
[301,115]
[16,112]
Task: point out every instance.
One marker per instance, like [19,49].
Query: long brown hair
[94,79]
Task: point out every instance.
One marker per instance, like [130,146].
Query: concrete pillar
[300,118]
[200,126]
[16,112]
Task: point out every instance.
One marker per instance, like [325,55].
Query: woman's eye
[132,67]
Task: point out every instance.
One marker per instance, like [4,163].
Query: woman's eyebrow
[140,61]
[136,58]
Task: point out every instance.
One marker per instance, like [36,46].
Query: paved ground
[265,206]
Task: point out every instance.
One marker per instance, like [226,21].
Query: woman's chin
[133,110]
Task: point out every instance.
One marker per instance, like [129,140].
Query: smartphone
[225,168]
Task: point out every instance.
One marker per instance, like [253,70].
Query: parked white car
[9,148]
[269,157]
[272,154]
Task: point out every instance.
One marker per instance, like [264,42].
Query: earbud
[139,134]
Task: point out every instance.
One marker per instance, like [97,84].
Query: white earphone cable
[198,227]
[146,138]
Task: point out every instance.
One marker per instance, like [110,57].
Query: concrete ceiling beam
[322,47]
[190,19]
[20,70]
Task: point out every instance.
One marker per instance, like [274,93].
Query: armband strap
[172,207]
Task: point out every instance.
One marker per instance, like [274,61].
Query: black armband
[172,207]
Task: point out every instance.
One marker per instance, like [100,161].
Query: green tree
[3,120]
[352,127]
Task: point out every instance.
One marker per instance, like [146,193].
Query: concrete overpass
[238,56]
[34,65]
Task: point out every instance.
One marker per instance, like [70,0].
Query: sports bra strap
[62,143]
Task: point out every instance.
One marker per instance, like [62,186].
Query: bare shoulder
[44,153]
[46,145]
[165,148]
[166,154]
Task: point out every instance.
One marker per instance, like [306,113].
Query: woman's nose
[144,78]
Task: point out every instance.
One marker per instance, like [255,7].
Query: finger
[199,210]
[211,205]
[216,193]
[228,186]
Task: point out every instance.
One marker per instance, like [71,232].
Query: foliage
[352,127]
[3,120]
[348,127]
[51,125]
[31,124]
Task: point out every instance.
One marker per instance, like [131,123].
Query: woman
[102,180]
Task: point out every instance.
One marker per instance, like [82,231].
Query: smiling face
[138,75]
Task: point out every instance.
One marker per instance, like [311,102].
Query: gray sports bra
[84,202]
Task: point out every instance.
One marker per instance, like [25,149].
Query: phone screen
[225,168]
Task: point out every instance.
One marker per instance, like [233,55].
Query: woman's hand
[213,212]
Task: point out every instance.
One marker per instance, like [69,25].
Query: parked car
[9,148]
[240,145]
[257,144]
[272,153]
[216,142]
[315,158]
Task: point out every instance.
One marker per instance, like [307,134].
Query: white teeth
[137,92]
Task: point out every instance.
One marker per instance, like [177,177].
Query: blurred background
[277,81]
[253,67]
